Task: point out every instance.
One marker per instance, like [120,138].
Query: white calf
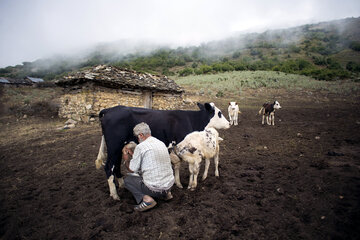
[195,147]
[233,111]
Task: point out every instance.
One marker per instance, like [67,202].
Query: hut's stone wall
[84,104]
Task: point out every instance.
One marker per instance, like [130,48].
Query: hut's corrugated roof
[35,80]
[4,80]
[14,81]
[113,77]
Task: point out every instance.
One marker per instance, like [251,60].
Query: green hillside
[325,51]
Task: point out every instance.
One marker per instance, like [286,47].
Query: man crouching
[153,175]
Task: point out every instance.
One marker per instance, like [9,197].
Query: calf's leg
[268,120]
[273,118]
[191,176]
[216,162]
[175,160]
[195,170]
[207,164]
[231,120]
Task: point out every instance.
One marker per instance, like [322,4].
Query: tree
[355,46]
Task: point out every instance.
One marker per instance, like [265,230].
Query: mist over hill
[326,50]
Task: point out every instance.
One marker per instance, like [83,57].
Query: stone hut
[87,92]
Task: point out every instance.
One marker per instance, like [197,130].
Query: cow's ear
[201,107]
[208,107]
[229,103]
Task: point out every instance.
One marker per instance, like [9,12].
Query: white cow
[196,146]
[233,111]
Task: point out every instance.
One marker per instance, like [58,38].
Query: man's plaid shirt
[151,160]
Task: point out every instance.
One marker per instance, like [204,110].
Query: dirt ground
[299,179]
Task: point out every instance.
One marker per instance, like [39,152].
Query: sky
[34,29]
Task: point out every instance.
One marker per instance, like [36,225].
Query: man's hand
[127,156]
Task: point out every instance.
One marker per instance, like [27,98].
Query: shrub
[185,72]
[355,46]
[239,66]
[194,65]
[198,71]
[206,69]
[236,55]
[293,48]
[319,60]
[353,67]
[219,94]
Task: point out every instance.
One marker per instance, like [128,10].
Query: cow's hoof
[192,189]
[121,182]
[179,186]
[115,197]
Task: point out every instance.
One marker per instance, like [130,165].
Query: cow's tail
[102,114]
[261,109]
[101,158]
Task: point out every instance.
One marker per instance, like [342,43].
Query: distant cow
[166,125]
[233,111]
[196,146]
[268,110]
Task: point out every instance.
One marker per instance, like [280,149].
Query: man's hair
[142,128]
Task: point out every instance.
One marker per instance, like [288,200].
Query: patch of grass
[30,101]
[235,82]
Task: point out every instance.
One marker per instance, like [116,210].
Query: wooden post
[148,99]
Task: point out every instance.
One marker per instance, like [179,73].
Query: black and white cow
[167,125]
[268,110]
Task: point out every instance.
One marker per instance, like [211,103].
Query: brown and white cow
[268,110]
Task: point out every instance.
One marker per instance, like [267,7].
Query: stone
[70,121]
[69,126]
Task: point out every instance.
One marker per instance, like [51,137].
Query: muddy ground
[299,179]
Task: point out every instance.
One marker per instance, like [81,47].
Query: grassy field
[236,82]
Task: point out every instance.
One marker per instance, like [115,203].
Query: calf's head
[232,105]
[217,119]
[277,105]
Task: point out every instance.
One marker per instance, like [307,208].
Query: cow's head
[277,105]
[217,119]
